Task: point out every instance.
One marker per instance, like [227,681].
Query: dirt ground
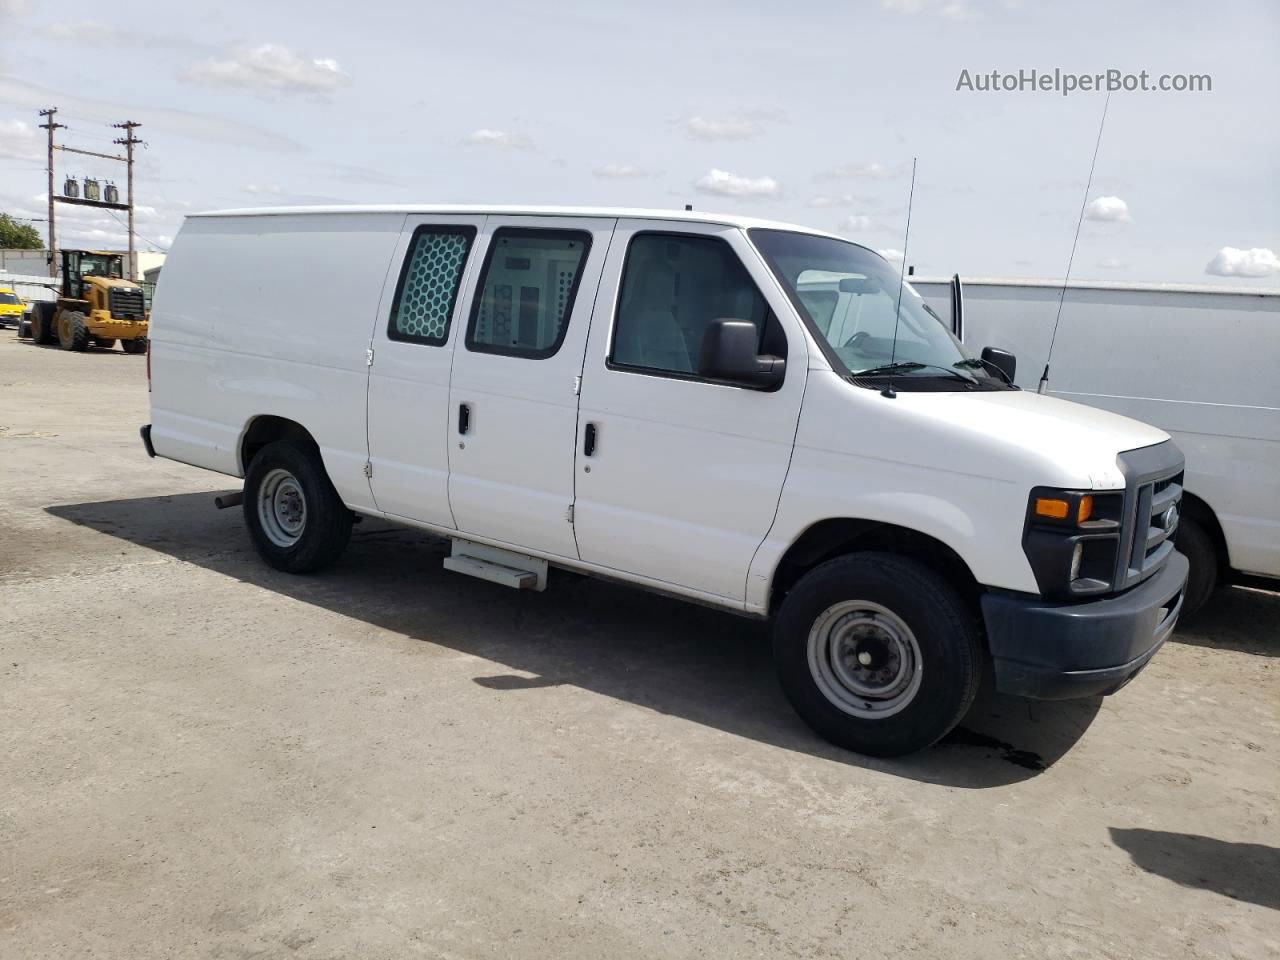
[205,758]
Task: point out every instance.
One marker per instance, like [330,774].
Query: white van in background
[1201,362]
[723,409]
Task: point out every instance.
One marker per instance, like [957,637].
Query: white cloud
[497,138]
[704,128]
[838,200]
[856,222]
[867,171]
[14,8]
[1108,209]
[261,189]
[890,254]
[1235,262]
[726,184]
[19,141]
[1113,263]
[271,68]
[620,171]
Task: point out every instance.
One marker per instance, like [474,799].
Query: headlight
[1071,538]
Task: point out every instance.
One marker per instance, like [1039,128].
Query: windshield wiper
[903,366]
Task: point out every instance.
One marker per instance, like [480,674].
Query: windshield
[99,265]
[850,297]
[8,298]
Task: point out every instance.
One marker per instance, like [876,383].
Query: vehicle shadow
[1243,619]
[1242,871]
[700,664]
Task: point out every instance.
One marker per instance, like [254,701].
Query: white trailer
[1202,363]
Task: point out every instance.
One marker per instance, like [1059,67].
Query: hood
[1078,444]
[1010,436]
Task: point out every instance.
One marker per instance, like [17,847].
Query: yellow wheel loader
[95,305]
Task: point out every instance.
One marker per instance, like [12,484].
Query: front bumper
[117,329]
[1059,651]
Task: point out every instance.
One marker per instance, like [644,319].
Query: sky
[805,112]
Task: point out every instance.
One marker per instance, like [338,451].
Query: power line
[154,243]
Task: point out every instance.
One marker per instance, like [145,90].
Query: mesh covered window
[429,284]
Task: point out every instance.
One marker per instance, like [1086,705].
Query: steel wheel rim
[282,508]
[864,659]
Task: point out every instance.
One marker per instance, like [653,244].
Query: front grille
[126,303]
[1153,494]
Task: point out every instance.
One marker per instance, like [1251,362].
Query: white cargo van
[1197,361]
[724,409]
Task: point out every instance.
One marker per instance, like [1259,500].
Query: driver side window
[673,287]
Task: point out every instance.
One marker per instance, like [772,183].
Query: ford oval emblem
[1169,517]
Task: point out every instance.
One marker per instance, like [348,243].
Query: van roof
[632,213]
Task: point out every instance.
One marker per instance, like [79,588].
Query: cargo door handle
[589,440]
[464,417]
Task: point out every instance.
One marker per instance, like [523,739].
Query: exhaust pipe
[224,500]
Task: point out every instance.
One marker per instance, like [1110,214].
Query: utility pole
[128,141]
[51,125]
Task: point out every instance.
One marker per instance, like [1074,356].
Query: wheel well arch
[836,536]
[267,428]
[1195,508]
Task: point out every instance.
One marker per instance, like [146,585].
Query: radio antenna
[888,390]
[1044,377]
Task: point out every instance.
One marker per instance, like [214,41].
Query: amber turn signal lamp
[1052,508]
[1085,510]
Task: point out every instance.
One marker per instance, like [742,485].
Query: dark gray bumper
[1058,651]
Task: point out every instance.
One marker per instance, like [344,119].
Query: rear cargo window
[526,291]
[429,281]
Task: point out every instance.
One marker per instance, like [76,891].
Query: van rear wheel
[877,653]
[296,519]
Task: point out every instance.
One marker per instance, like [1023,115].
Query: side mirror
[1002,360]
[729,353]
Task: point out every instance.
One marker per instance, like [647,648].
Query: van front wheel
[877,653]
[296,519]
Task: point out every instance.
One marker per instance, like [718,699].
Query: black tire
[73,331]
[947,652]
[104,343]
[42,331]
[136,345]
[24,328]
[1203,578]
[325,524]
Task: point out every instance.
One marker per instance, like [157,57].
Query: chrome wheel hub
[864,659]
